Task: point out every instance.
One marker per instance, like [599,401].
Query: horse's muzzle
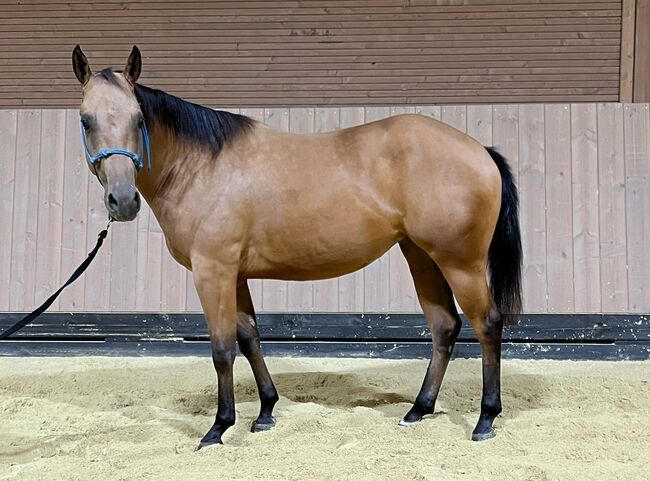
[123,203]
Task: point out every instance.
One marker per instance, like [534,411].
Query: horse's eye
[140,122]
[85,122]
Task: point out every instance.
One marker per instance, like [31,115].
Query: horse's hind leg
[468,282]
[248,338]
[438,305]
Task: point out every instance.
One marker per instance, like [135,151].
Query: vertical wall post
[627,51]
[642,52]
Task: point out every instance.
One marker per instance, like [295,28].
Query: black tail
[504,256]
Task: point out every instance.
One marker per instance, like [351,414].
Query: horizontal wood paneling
[318,53]
[583,177]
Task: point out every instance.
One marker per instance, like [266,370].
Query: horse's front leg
[216,286]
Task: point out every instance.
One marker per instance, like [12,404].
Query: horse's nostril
[136,199]
[112,203]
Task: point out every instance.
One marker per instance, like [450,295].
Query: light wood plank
[377,274]
[532,200]
[274,293]
[611,190]
[586,244]
[637,173]
[142,282]
[432,111]
[641,49]
[455,115]
[350,287]
[123,267]
[50,209]
[98,275]
[24,227]
[8,127]
[559,224]
[505,134]
[75,212]
[154,268]
[479,123]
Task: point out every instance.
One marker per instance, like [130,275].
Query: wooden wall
[642,52]
[583,172]
[326,52]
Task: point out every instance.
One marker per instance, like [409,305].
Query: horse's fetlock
[225,420]
[491,405]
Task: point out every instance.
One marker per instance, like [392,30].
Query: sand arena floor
[141,418]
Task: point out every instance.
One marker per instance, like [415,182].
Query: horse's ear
[133,66]
[80,65]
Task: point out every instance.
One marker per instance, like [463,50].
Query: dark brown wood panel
[329,52]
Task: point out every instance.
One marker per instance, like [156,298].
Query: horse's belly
[322,259]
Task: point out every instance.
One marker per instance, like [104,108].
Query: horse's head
[113,131]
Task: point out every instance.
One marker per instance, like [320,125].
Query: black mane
[192,122]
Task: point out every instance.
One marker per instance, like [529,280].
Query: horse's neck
[153,183]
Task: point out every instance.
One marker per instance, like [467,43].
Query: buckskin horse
[237,200]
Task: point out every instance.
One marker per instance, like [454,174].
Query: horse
[237,200]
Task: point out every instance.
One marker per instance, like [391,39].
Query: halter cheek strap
[94,159]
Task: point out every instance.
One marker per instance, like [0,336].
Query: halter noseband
[94,159]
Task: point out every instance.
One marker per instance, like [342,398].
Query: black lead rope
[42,308]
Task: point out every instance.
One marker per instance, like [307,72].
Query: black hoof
[406,422]
[259,426]
[484,435]
[415,415]
[213,437]
[205,444]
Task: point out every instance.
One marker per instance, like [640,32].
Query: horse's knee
[223,354]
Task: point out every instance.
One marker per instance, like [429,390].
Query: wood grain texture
[532,191]
[505,134]
[75,211]
[581,169]
[479,123]
[628,27]
[559,203]
[24,225]
[637,180]
[98,276]
[329,53]
[611,198]
[8,127]
[641,49]
[584,177]
[50,208]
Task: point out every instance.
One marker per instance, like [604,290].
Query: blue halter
[105,153]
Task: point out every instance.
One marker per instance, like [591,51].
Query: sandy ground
[140,419]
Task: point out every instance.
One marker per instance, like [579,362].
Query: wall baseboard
[392,335]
